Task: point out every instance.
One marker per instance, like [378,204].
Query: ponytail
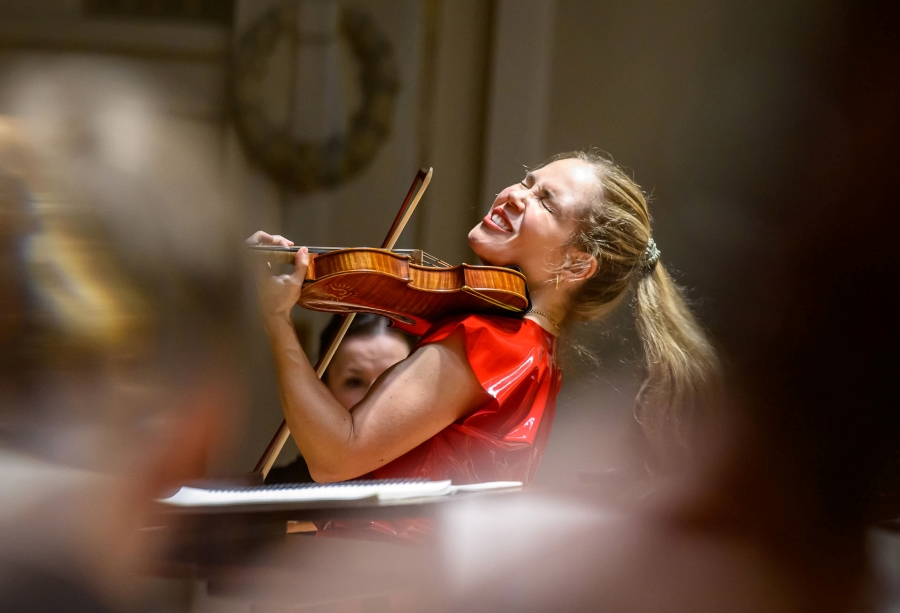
[682,367]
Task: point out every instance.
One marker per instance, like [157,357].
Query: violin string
[430,260]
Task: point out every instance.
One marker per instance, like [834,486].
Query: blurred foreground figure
[115,377]
[775,519]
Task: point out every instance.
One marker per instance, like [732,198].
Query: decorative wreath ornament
[306,166]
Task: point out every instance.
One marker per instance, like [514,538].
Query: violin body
[403,286]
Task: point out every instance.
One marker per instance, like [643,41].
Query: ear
[583,266]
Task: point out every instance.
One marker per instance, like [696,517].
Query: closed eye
[549,208]
[544,195]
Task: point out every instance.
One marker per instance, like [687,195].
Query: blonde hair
[682,369]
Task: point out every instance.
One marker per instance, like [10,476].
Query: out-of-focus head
[120,297]
[369,348]
[119,267]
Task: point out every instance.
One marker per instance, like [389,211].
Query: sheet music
[316,492]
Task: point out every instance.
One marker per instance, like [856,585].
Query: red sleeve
[504,438]
[500,355]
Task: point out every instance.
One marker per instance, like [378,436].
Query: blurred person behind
[369,348]
[117,339]
[775,520]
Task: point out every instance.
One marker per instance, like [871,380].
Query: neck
[553,307]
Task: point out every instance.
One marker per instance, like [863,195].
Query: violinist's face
[530,223]
[359,361]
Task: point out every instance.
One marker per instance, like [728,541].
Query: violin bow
[416,190]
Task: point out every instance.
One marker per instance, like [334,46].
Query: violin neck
[313,250]
[285,255]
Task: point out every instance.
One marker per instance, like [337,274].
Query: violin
[409,286]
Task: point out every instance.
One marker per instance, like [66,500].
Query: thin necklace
[547,317]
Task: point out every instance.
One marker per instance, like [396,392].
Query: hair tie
[650,256]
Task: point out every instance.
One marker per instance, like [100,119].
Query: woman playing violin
[475,400]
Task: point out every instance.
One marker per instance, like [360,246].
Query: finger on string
[282,241]
[264,238]
[258,238]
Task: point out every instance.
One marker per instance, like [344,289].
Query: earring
[557,280]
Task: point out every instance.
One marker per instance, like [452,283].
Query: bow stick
[423,178]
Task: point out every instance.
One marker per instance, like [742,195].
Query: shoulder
[495,347]
[487,326]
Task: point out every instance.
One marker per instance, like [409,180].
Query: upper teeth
[501,222]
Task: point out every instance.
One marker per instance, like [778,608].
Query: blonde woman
[475,400]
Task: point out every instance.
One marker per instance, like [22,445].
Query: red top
[504,439]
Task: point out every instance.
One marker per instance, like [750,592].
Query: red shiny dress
[515,362]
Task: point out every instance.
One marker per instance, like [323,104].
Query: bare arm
[408,404]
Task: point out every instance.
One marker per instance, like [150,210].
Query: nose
[517,198]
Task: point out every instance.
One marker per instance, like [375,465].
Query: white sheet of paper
[198,497]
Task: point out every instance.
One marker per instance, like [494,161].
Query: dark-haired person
[369,348]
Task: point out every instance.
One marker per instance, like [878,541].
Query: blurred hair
[681,364]
[364,324]
[106,274]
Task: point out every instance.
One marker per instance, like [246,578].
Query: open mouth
[499,222]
